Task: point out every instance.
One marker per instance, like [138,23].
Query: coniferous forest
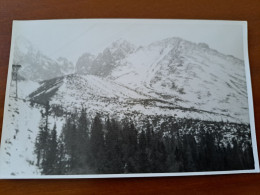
[104,145]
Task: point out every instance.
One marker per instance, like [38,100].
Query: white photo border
[145,21]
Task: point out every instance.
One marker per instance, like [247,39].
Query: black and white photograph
[90,98]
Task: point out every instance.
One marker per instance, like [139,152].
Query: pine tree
[172,164]
[236,155]
[158,157]
[162,156]
[42,137]
[189,148]
[69,133]
[248,156]
[97,144]
[113,162]
[143,161]
[129,146]
[82,141]
[62,161]
[148,134]
[49,164]
[132,146]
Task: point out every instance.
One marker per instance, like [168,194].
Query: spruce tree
[62,161]
[113,162]
[41,143]
[97,145]
[82,141]
[69,133]
[142,154]
[132,145]
[49,165]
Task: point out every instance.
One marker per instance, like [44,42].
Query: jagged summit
[185,46]
[123,45]
[106,61]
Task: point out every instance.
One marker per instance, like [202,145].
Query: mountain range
[167,77]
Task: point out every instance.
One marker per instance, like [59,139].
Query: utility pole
[15,69]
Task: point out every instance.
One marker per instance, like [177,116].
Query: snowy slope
[199,76]
[19,137]
[20,129]
[101,95]
[25,87]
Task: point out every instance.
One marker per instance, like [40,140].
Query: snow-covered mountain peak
[182,46]
[23,45]
[174,43]
[36,66]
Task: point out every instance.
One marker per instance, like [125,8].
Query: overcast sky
[72,38]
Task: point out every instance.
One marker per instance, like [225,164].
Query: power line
[71,41]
